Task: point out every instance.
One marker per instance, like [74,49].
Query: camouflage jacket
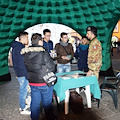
[95,55]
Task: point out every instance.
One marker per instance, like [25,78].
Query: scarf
[63,44]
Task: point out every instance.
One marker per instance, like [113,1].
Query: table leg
[88,95]
[67,93]
[77,90]
[58,99]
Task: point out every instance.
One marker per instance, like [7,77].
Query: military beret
[92,29]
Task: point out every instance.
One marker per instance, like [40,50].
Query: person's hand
[89,73]
[67,58]
[51,55]
[26,46]
[63,57]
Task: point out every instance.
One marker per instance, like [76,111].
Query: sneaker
[25,112]
[26,107]
[28,100]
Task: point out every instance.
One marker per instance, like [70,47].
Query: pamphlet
[75,75]
[53,53]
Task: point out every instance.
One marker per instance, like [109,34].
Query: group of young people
[28,65]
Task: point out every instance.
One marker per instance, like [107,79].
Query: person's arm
[94,58]
[20,58]
[52,45]
[57,52]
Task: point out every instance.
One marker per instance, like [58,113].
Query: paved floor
[9,103]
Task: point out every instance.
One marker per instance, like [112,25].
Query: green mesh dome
[17,15]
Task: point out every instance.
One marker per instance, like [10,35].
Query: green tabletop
[64,84]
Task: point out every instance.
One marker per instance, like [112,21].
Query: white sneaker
[28,100]
[26,107]
[25,112]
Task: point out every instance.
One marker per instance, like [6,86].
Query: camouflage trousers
[96,73]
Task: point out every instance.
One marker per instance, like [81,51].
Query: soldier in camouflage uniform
[94,52]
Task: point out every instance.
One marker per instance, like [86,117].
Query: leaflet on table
[75,75]
[66,76]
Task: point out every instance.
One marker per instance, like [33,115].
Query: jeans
[63,68]
[44,94]
[22,91]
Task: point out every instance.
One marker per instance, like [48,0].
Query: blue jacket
[18,59]
[82,54]
[48,45]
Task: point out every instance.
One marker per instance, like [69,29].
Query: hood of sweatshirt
[16,43]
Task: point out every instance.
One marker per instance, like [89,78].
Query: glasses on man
[65,37]
[48,35]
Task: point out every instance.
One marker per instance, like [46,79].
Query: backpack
[48,76]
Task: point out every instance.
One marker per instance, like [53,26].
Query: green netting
[17,15]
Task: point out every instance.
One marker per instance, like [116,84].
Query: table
[63,85]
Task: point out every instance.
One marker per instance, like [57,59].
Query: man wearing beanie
[94,52]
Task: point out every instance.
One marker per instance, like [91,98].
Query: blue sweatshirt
[82,54]
[18,59]
[48,45]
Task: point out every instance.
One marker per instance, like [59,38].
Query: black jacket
[18,59]
[35,57]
